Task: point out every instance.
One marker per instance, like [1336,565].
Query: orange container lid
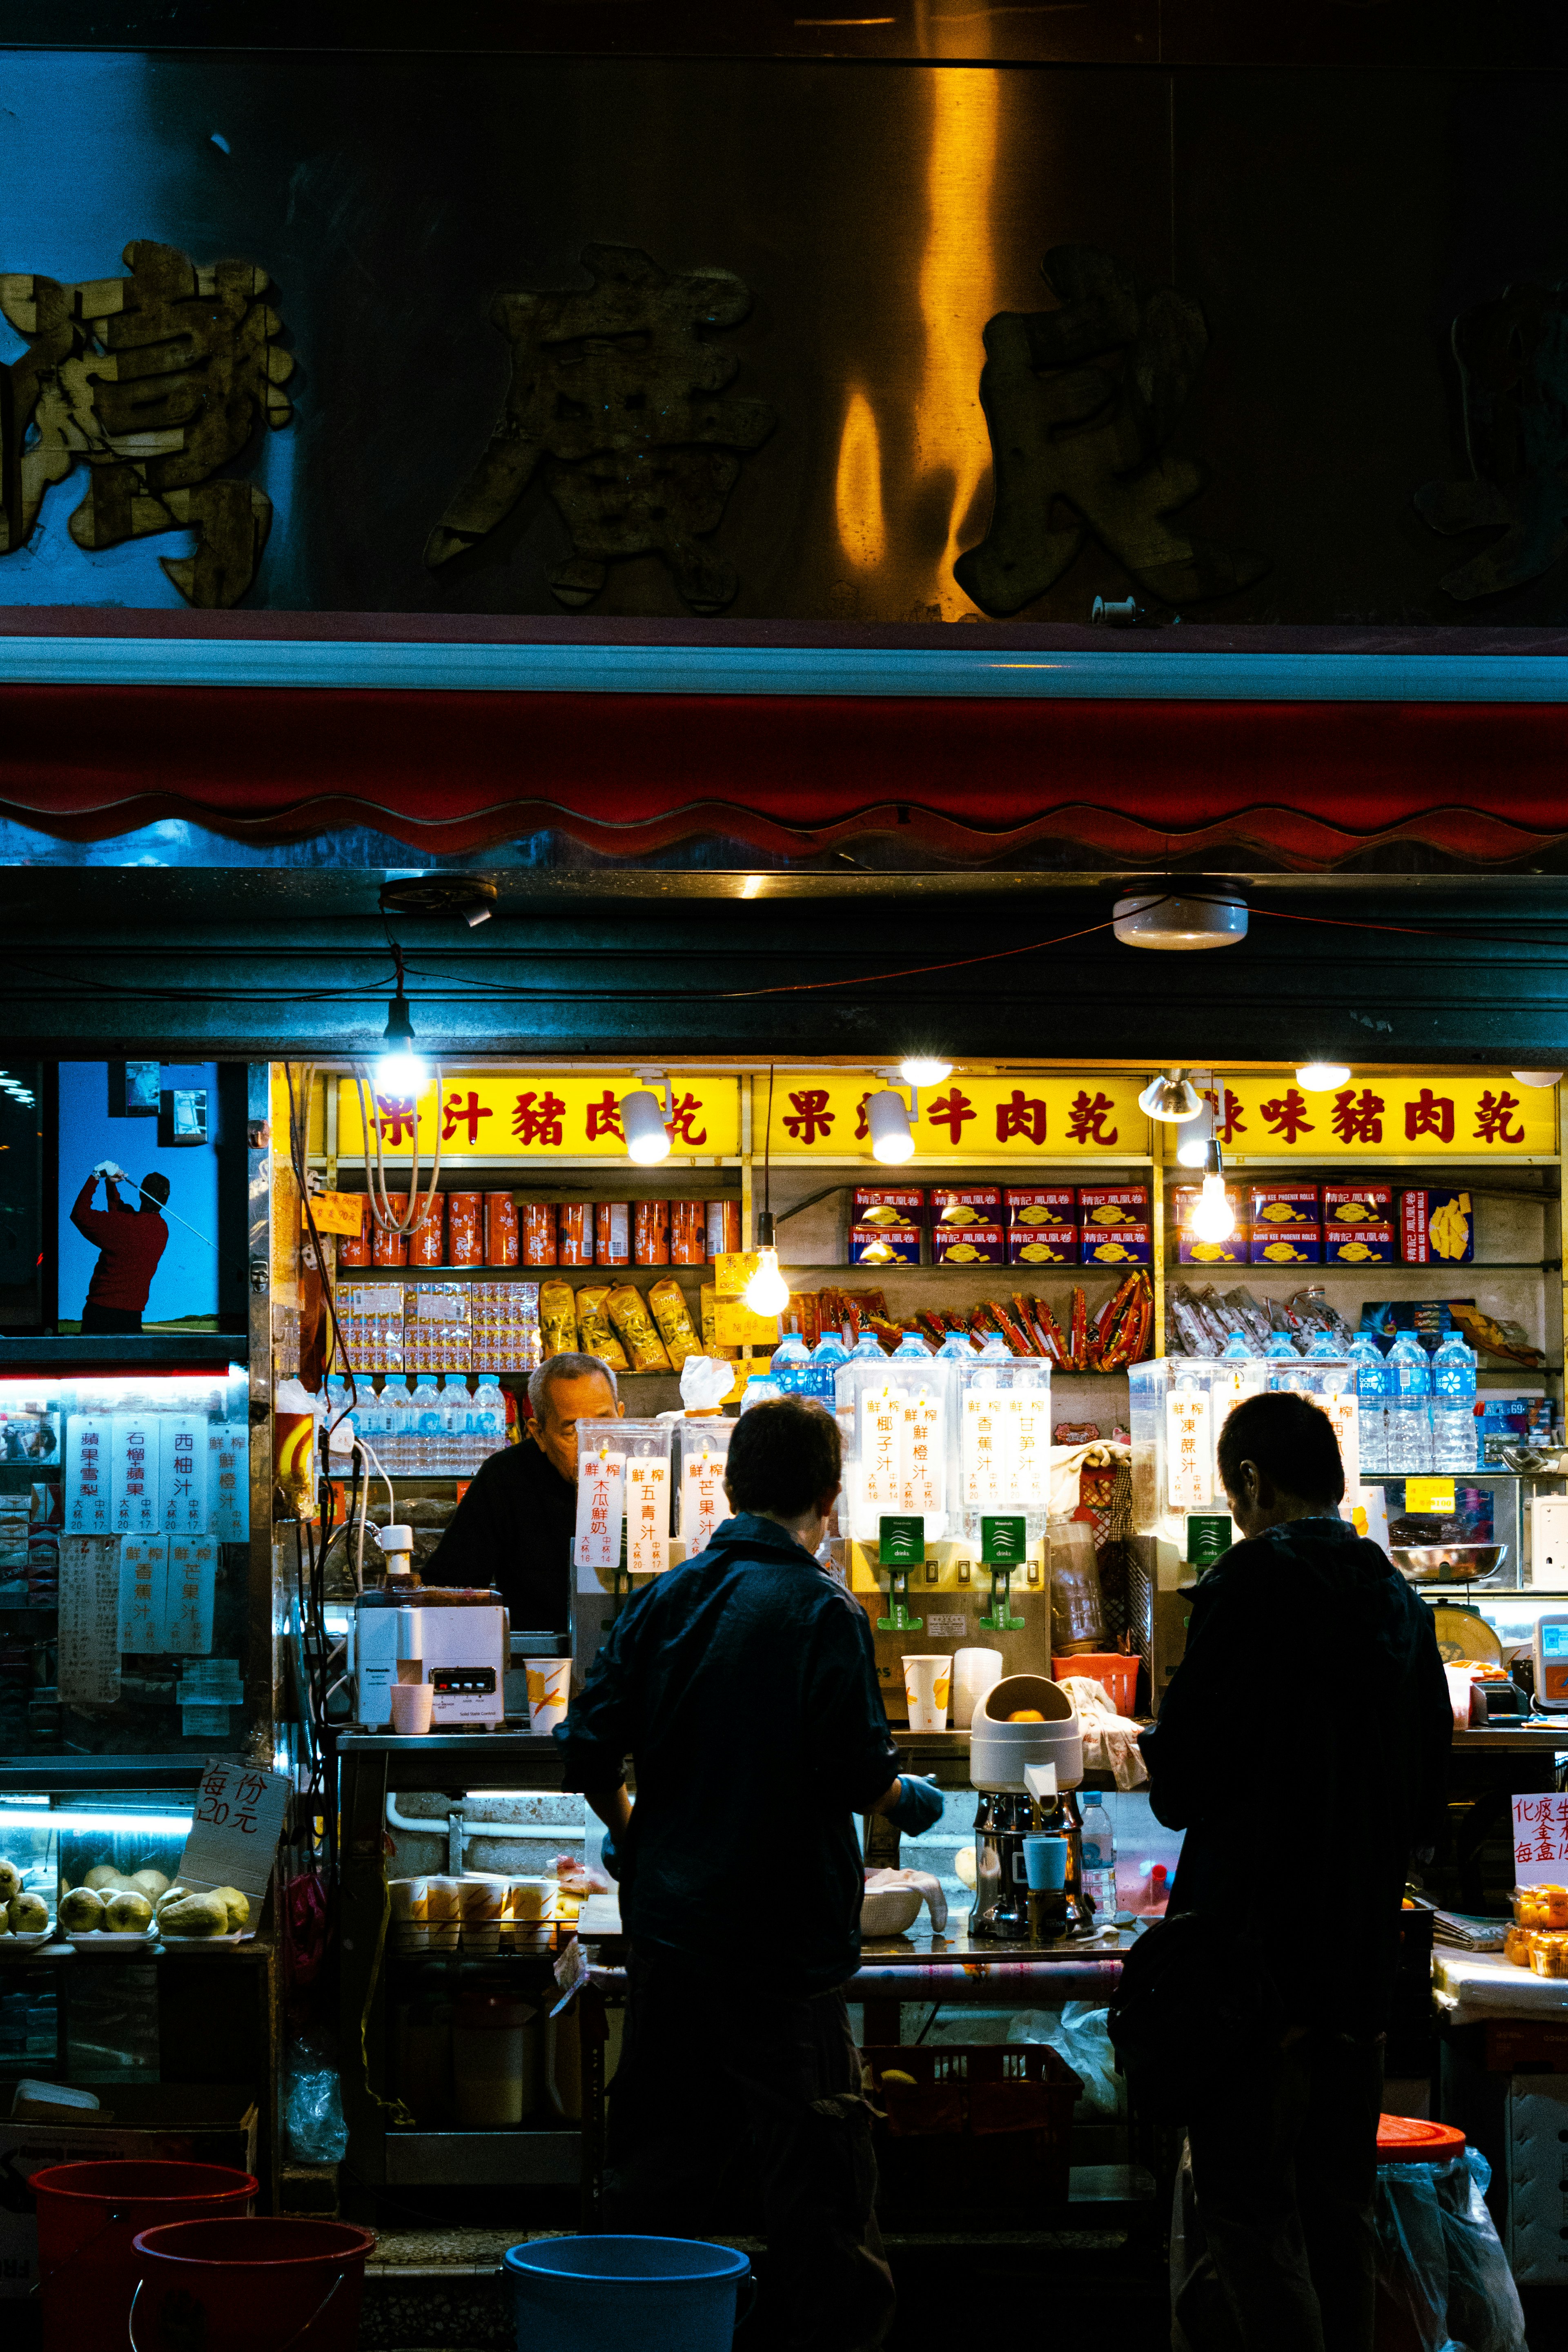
[1415,2140]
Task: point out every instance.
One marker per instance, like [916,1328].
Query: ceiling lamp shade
[642,1122]
[924,1070]
[1192,1151]
[1536,1078]
[1172,1097]
[1323,1078]
[887,1118]
[1162,919]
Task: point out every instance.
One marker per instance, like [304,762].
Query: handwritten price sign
[236,1825]
[1539,1836]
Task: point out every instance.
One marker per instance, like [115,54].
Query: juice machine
[459,1640]
[946,1496]
[1025,1772]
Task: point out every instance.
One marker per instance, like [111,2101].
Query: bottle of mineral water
[1410,1408]
[397,1453]
[490,1420]
[790,1369]
[825,1358]
[1099,1843]
[1373,1386]
[1454,1441]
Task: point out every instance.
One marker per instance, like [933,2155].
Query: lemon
[1025,1715]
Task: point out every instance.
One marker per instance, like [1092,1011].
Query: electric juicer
[1026,1773]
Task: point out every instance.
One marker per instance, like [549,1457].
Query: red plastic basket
[979,2093]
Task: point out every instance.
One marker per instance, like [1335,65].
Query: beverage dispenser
[947,1493]
[623,1534]
[1178,1503]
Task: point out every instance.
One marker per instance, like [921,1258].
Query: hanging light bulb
[1214,1220]
[1535,1077]
[1171,1097]
[400,1069]
[1193,1148]
[924,1070]
[642,1123]
[887,1118]
[1323,1078]
[767,1293]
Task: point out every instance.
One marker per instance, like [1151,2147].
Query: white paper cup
[926,1682]
[445,1911]
[974,1672]
[549,1693]
[411,1706]
[482,1898]
[1460,1688]
[410,1912]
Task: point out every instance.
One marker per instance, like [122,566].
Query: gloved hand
[919,1807]
[108,1168]
[609,1860]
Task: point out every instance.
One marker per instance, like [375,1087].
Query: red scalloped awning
[1308,784]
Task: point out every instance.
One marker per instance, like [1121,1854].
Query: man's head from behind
[785,1463]
[1280,1460]
[564,1392]
[154,1191]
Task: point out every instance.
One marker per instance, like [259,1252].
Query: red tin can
[575,1233]
[501,1229]
[353,1249]
[392,1249]
[539,1233]
[466,1225]
[613,1233]
[723,1226]
[687,1234]
[652,1243]
[428,1241]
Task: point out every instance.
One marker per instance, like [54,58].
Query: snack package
[967,1205]
[885,1245]
[1290,1244]
[1285,1204]
[1115,1245]
[1436,1228]
[668,1301]
[708,1301]
[1113,1204]
[955,1245]
[595,1335]
[888,1204]
[1358,1204]
[628,1313]
[1041,1204]
[1358,1244]
[1041,1245]
[557,1319]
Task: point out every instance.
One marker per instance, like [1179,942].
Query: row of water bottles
[1417,1411]
[431,1429]
[799,1370]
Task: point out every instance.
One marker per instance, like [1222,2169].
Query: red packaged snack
[575,1233]
[613,1233]
[392,1249]
[1112,1205]
[1041,1204]
[966,1204]
[539,1233]
[427,1240]
[501,1229]
[687,1234]
[651,1245]
[353,1249]
[464,1225]
[723,1226]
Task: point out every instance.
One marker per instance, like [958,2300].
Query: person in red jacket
[129,1243]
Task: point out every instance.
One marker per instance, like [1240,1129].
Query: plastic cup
[410,1912]
[974,1672]
[1046,1863]
[481,1898]
[926,1684]
[411,1706]
[445,1911]
[549,1693]
[1460,1688]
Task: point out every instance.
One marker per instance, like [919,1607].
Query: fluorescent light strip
[69,1818]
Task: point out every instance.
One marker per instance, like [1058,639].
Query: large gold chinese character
[156,379]
[617,391]
[1082,402]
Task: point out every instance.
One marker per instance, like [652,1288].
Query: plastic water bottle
[1099,1843]
[452,1436]
[1410,1408]
[490,1420]
[825,1358]
[1454,1436]
[425,1408]
[1373,1385]
[791,1368]
[913,1346]
[398,1405]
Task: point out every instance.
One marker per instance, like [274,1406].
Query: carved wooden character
[156,379]
[1080,403]
[1513,358]
[616,391]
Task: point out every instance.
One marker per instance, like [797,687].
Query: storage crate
[1008,2107]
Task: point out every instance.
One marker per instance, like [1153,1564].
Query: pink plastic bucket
[89,2218]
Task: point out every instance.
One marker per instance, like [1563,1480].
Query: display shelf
[1316,1273]
[74,1352]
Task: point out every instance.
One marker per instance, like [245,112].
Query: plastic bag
[1440,2259]
[1077,2032]
[313,2106]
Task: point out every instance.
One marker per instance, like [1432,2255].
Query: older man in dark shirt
[744,1685]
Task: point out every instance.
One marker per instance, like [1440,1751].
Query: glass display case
[897,1412]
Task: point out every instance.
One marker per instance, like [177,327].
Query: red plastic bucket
[1117,1675]
[88,2217]
[250,2286]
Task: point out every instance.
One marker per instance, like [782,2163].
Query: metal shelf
[74,1352]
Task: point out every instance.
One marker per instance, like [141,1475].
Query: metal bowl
[1451,1563]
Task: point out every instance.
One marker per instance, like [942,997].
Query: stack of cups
[444,1912]
[482,1898]
[926,1683]
[410,1913]
[549,1693]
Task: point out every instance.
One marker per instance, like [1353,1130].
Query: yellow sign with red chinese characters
[538,1115]
[1477,1118]
[1046,1119]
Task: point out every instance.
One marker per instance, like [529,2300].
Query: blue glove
[609,1860]
[919,1807]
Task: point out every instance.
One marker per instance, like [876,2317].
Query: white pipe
[432,1825]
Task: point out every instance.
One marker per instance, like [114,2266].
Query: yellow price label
[1430,1494]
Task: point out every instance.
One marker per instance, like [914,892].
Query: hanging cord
[768,1151]
[376,1184]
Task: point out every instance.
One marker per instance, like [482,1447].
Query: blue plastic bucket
[601,2294]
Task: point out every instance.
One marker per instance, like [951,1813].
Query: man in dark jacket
[744,1684]
[514,1527]
[1302,1746]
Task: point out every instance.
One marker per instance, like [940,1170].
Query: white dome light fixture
[1535,1077]
[1193,1147]
[1171,1097]
[888,1119]
[1165,918]
[1323,1078]
[924,1070]
[643,1118]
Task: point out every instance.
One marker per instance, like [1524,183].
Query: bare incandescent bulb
[1213,1217]
[767,1293]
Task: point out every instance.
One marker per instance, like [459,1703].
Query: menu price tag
[1430,1494]
[235,1826]
[90,1620]
[1539,1834]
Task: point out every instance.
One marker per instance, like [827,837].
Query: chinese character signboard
[1189,1449]
[235,1826]
[823,1115]
[1540,1839]
[1478,1117]
[538,1115]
